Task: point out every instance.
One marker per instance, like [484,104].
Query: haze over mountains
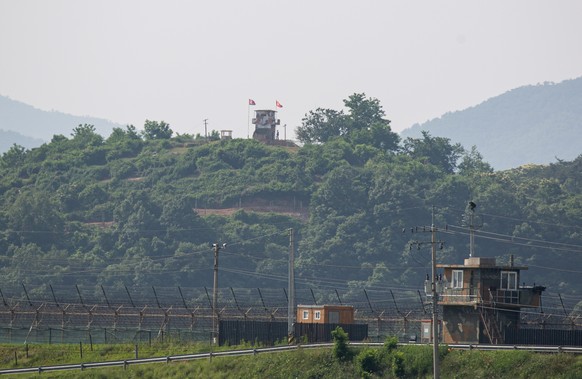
[537,124]
[30,127]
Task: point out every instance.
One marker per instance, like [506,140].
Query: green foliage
[14,157]
[139,211]
[302,363]
[341,351]
[435,150]
[390,344]
[398,368]
[363,124]
[369,361]
[156,130]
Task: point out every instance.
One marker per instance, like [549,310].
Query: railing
[233,353]
[459,295]
[521,297]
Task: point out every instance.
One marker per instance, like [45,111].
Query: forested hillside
[537,124]
[129,209]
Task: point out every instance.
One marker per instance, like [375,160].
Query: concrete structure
[480,299]
[325,314]
[265,122]
[226,134]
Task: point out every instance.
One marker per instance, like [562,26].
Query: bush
[341,351]
[369,361]
[390,344]
[398,364]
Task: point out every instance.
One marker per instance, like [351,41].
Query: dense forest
[139,208]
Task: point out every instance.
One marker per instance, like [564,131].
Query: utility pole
[434,290]
[205,131]
[291,284]
[472,227]
[216,247]
[435,318]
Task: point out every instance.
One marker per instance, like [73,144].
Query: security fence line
[71,314]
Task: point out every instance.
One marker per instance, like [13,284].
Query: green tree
[472,163]
[14,157]
[364,123]
[437,151]
[322,125]
[85,135]
[157,130]
[341,350]
[34,217]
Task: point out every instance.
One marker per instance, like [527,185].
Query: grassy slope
[297,364]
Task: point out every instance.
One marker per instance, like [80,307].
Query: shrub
[398,364]
[390,344]
[369,361]
[341,351]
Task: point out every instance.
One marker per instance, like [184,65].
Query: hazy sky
[184,61]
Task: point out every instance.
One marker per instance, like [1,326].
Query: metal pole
[215,295]
[472,235]
[435,333]
[291,298]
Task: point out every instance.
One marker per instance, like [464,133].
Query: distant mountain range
[30,127]
[536,124]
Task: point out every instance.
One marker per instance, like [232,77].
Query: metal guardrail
[532,348]
[233,353]
[167,359]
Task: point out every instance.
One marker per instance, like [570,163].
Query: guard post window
[457,278]
[508,280]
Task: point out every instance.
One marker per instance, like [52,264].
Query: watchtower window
[457,278]
[508,280]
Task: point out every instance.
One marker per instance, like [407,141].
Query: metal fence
[69,314]
[548,337]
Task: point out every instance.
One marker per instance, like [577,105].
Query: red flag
[278,104]
[252,102]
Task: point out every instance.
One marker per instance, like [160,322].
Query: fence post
[136,352]
[81,348]
[15,357]
[26,348]
[50,335]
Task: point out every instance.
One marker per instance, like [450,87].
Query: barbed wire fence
[69,314]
